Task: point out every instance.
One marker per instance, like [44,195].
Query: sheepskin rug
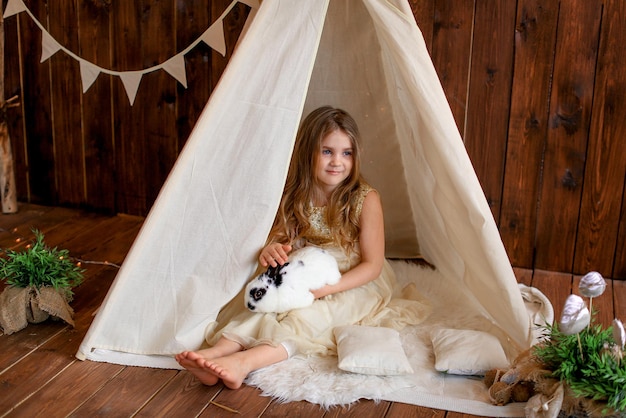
[309,380]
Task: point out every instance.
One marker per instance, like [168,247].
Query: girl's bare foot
[229,369]
[190,360]
[186,356]
[227,362]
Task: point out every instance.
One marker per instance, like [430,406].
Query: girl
[325,203]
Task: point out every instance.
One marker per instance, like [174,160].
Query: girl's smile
[334,162]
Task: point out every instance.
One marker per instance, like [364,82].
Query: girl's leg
[232,369]
[222,348]
[189,359]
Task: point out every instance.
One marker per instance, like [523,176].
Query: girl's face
[334,162]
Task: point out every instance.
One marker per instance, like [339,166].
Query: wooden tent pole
[8,194]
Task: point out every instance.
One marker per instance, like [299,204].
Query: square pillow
[467,352]
[371,350]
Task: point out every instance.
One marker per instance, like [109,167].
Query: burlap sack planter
[20,306]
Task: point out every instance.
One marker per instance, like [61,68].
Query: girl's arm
[372,242]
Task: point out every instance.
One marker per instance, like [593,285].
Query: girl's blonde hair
[292,219]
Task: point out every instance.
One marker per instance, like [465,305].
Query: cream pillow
[371,350]
[467,352]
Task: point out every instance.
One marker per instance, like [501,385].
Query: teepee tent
[199,244]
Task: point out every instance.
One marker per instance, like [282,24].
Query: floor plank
[40,218]
[360,409]
[92,377]
[20,344]
[36,369]
[293,409]
[182,396]
[126,393]
[245,401]
[401,410]
[12,224]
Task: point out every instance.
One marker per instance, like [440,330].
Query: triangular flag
[252,3]
[175,66]
[131,80]
[49,46]
[14,7]
[88,74]
[214,37]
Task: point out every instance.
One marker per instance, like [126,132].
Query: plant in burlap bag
[40,281]
[577,370]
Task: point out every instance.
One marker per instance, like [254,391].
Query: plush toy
[524,379]
[289,286]
[529,380]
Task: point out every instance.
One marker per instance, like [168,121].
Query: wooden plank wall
[94,149]
[536,87]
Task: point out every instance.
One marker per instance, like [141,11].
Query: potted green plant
[587,358]
[577,369]
[591,368]
[40,281]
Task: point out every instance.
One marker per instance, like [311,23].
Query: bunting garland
[174,66]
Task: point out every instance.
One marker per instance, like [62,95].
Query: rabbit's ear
[272,271]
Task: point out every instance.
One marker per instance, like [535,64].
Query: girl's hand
[274,254]
[321,292]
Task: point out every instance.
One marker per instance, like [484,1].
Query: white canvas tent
[199,244]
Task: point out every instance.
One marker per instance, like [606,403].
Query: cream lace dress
[310,329]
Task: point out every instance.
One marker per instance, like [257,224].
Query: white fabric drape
[199,243]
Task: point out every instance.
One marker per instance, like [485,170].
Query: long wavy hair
[301,187]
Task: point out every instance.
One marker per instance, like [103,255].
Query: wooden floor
[39,375]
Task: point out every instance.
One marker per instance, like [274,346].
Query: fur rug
[298,379]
